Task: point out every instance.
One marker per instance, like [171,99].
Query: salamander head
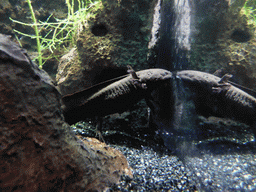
[153,75]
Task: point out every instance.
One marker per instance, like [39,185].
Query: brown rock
[116,36]
[38,150]
[70,74]
[117,163]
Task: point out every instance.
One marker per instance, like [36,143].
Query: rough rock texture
[108,156]
[225,39]
[69,73]
[117,36]
[38,151]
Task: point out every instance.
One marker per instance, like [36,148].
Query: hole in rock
[99,30]
[240,36]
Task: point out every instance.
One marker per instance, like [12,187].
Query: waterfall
[169,49]
[171,34]
[178,23]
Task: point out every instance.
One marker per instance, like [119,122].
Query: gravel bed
[154,172]
[215,167]
[226,172]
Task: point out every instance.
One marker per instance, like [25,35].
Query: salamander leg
[136,79]
[222,84]
[99,129]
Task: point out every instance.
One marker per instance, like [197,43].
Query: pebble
[162,171]
[154,172]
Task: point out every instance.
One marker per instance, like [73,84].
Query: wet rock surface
[38,150]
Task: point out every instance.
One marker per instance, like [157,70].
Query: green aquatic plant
[249,10]
[63,32]
[36,32]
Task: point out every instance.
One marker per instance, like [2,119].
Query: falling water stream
[175,34]
[221,167]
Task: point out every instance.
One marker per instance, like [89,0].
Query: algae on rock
[117,36]
[230,46]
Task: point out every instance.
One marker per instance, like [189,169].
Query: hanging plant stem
[40,62]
